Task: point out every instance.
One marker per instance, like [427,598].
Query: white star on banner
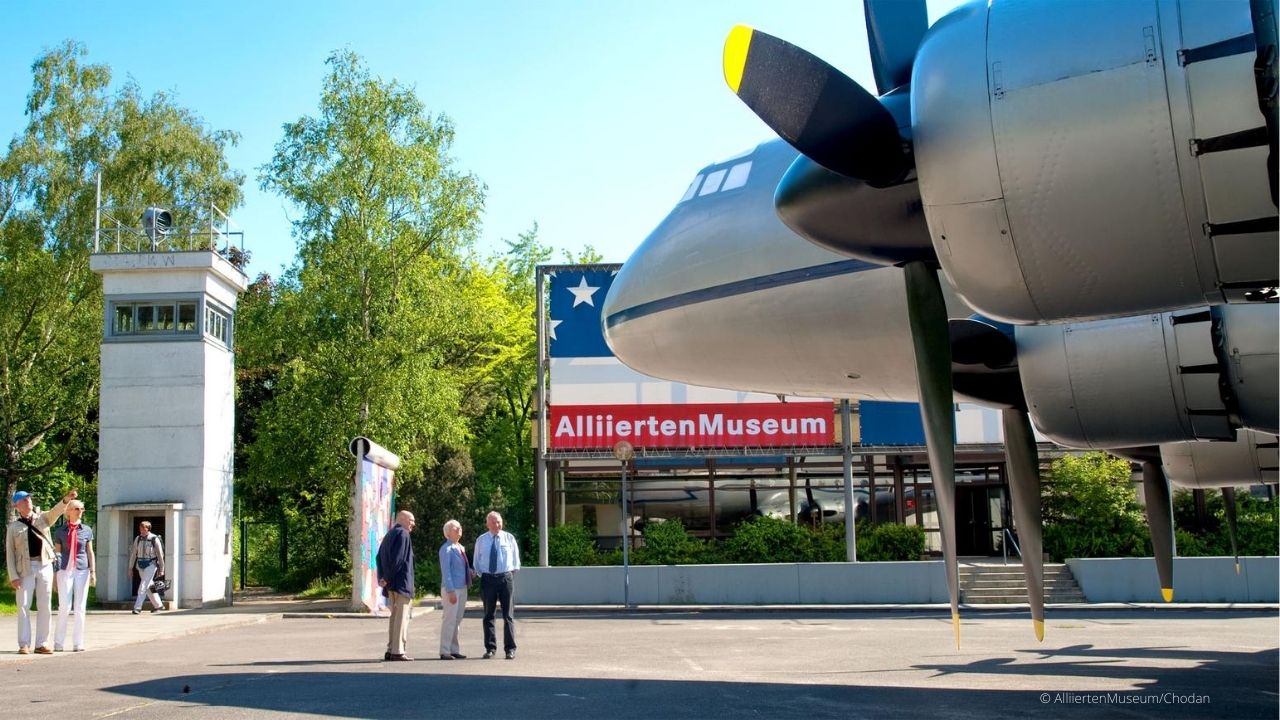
[552,329]
[583,293]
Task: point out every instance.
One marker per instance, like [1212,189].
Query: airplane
[723,294]
[1045,183]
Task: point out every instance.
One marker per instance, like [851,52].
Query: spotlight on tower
[156,223]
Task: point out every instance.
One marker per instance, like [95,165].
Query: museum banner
[794,424]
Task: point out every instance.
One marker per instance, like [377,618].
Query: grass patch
[9,599]
[331,587]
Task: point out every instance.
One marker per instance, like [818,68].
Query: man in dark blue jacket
[395,575]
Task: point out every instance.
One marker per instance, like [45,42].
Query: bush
[572,544]
[1091,509]
[1255,525]
[768,540]
[667,543]
[888,542]
[426,575]
[828,542]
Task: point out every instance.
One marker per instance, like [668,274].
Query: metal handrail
[220,235]
[1008,540]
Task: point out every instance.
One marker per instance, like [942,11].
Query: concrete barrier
[765,584]
[1195,580]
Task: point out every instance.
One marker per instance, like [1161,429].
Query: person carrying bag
[146,557]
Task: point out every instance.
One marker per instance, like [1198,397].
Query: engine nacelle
[1083,160]
[1250,460]
[1186,375]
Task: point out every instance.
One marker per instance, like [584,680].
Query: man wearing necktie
[498,558]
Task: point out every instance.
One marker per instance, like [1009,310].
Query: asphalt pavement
[685,663]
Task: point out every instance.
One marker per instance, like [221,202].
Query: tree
[373,331]
[149,151]
[1091,509]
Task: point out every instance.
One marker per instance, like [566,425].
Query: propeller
[932,343]
[885,226]
[837,124]
[1024,491]
[1160,518]
[816,108]
[1229,502]
[985,368]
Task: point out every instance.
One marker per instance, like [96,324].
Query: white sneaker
[79,649]
[57,648]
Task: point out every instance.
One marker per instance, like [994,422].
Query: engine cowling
[1083,160]
[1249,460]
[1186,375]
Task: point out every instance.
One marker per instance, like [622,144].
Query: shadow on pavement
[1223,684]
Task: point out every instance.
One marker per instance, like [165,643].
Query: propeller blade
[928,313]
[818,109]
[1229,500]
[894,31]
[1024,490]
[1160,518]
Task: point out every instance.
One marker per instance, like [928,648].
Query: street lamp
[623,451]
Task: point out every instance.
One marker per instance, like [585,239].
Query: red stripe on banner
[581,427]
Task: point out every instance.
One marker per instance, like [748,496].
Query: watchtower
[167,406]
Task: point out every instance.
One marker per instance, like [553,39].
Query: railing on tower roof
[140,229]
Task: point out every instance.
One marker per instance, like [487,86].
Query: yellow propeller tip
[1167,594]
[1039,625]
[1237,568]
[736,47]
[955,623]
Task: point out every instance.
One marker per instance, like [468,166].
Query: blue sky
[586,117]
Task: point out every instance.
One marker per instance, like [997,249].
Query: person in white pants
[74,545]
[455,576]
[29,556]
[146,557]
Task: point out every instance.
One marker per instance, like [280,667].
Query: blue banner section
[573,317]
[890,423]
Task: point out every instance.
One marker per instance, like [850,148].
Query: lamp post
[623,451]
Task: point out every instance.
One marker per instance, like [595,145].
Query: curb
[320,615]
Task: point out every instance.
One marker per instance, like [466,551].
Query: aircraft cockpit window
[713,182]
[737,176]
[693,187]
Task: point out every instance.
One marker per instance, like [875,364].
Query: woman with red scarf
[78,572]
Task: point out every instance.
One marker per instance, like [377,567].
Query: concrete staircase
[987,582]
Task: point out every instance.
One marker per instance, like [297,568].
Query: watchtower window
[217,324]
[176,318]
[154,317]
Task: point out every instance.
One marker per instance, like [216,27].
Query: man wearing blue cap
[29,553]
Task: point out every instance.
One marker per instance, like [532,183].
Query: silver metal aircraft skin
[722,294]
[1082,160]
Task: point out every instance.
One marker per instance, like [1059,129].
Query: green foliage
[667,543]
[571,544]
[337,586]
[1255,524]
[1091,509]
[426,573]
[890,542]
[149,151]
[768,540]
[377,329]
[828,542]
